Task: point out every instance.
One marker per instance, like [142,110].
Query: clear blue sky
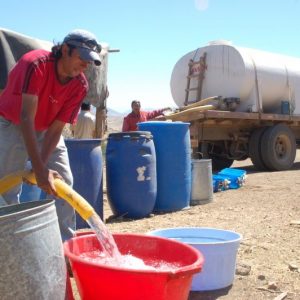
[153,35]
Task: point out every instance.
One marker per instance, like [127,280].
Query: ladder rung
[193,76]
[194,63]
[192,89]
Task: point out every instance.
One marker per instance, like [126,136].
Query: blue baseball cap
[86,44]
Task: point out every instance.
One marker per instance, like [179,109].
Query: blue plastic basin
[219,248]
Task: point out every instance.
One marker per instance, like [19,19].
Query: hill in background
[111,112]
[114,120]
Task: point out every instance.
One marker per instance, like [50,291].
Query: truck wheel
[278,147]
[255,149]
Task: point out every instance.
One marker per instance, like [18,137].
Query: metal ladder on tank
[193,67]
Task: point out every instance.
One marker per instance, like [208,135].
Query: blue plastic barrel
[86,164]
[173,157]
[30,193]
[131,174]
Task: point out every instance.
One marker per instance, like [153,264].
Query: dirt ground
[266,211]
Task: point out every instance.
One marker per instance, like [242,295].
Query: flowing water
[105,238]
[111,256]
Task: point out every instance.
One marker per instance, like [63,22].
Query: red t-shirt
[35,74]
[131,120]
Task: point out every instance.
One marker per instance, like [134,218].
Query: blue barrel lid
[83,141]
[130,134]
[164,123]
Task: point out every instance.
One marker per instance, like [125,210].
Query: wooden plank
[218,114]
[187,113]
[201,102]
[100,126]
[206,115]
[280,117]
[193,116]
[249,116]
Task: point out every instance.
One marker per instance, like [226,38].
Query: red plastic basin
[96,281]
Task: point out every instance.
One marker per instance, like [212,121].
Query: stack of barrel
[149,170]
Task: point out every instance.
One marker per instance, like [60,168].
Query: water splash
[105,238]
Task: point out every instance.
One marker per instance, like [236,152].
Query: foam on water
[109,254]
[128,261]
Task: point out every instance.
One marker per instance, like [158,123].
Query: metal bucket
[31,257]
[202,183]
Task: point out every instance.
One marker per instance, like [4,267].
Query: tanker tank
[262,81]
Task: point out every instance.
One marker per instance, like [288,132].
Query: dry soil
[266,211]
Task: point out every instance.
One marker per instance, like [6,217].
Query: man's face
[136,107]
[73,65]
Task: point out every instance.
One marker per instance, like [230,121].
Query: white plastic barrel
[262,80]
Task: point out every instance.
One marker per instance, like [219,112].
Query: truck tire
[255,149]
[278,147]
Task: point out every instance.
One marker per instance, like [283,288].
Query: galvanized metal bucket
[202,184]
[31,257]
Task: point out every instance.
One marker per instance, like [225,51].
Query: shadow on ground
[250,169]
[209,295]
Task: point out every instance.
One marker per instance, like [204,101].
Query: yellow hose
[64,191]
[10,181]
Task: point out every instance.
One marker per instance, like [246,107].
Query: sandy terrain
[266,211]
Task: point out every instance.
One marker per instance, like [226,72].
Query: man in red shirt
[137,116]
[44,92]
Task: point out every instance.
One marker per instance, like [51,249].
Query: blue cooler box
[220,183]
[236,177]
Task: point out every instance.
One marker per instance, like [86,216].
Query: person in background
[137,116]
[44,92]
[84,128]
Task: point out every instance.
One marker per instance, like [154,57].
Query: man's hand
[45,180]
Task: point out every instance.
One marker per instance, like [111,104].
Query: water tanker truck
[240,103]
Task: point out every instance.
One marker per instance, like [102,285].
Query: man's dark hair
[85,106]
[56,50]
[135,102]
